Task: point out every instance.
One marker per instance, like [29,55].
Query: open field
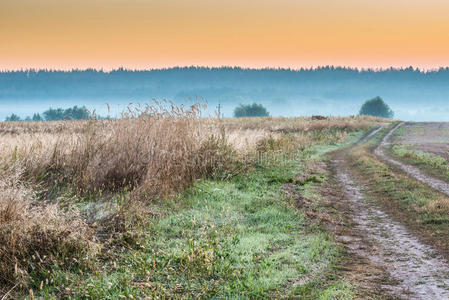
[424,145]
[163,203]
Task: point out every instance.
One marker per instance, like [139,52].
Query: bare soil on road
[403,264]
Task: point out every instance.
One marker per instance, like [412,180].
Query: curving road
[419,271]
[435,183]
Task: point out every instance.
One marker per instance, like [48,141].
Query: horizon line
[304,68]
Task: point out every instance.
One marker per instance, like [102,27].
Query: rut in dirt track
[435,183]
[418,269]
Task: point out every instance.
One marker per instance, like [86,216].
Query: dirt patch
[370,277]
[424,133]
[427,137]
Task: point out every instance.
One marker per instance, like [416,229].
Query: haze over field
[412,94]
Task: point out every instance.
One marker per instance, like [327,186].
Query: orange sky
[253,33]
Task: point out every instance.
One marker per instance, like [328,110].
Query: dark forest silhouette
[213,82]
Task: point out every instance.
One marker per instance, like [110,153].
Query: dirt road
[416,269]
[435,183]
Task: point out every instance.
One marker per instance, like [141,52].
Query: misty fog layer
[412,94]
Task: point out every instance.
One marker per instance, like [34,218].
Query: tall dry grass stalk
[153,150]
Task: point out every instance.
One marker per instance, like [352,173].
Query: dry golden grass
[438,206]
[151,152]
[34,236]
[156,150]
[300,124]
[248,134]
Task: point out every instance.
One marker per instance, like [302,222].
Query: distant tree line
[56,114]
[226,82]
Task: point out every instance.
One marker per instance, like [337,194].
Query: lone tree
[376,107]
[250,110]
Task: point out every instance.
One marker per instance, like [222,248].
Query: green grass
[318,151]
[415,203]
[242,238]
[431,163]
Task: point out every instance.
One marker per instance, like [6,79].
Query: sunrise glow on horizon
[140,34]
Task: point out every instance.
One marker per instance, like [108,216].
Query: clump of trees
[12,118]
[56,114]
[250,110]
[376,107]
[72,113]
